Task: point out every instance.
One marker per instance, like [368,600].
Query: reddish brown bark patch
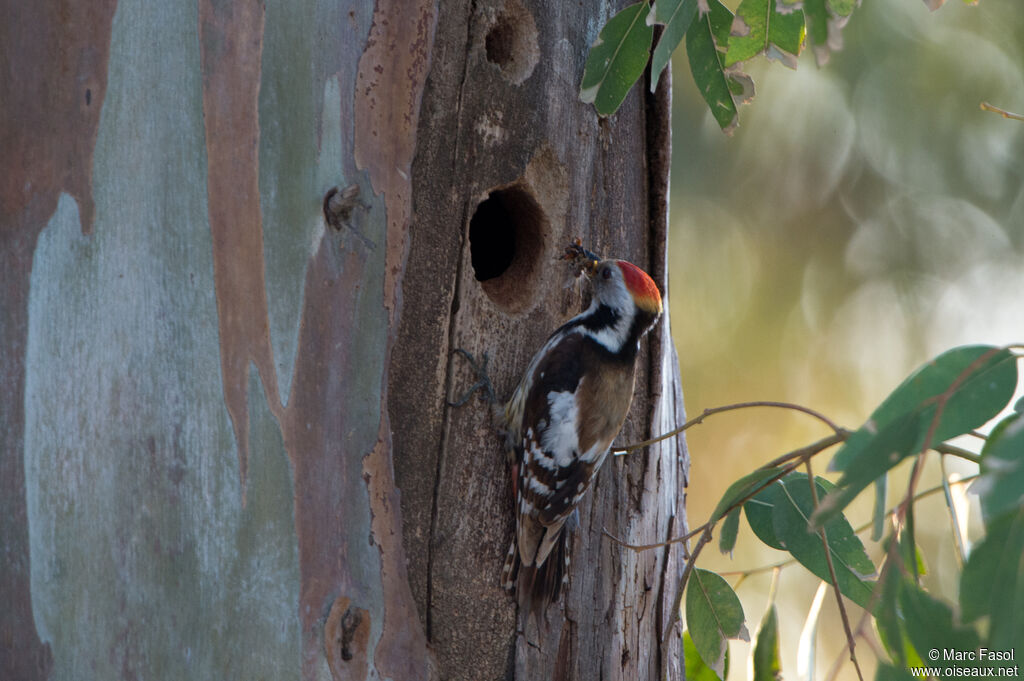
[55,58]
[231,45]
[389,90]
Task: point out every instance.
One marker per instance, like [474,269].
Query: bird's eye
[606,272]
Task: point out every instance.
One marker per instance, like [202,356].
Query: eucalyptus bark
[224,445]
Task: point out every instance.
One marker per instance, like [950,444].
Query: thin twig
[858,632]
[811,449]
[893,557]
[866,526]
[832,576]
[941,400]
[800,455]
[646,547]
[985,106]
[954,516]
[959,452]
[697,420]
[674,615]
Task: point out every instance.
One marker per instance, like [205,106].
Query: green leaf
[816,22]
[992,581]
[899,427]
[930,625]
[887,618]
[897,440]
[741,488]
[761,508]
[759,514]
[791,520]
[676,15]
[1001,485]
[696,670]
[617,59]
[843,8]
[880,511]
[887,672]
[759,28]
[719,87]
[978,398]
[730,528]
[766,648]
[713,615]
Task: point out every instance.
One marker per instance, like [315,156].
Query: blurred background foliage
[864,217]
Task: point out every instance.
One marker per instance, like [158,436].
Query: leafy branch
[802,514]
[718,44]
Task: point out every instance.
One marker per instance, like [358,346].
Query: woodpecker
[567,409]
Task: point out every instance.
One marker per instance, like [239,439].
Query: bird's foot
[483,380]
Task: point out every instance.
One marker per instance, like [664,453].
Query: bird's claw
[483,380]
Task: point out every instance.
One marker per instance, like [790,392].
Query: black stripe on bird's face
[604,317]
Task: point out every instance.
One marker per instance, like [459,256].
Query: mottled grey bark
[209,392]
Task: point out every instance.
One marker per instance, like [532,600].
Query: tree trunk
[210,390]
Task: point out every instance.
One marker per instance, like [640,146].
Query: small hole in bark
[505,243]
[511,42]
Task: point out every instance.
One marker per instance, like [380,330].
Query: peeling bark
[230,39]
[55,78]
[332,338]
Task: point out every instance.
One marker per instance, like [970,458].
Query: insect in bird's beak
[583,261]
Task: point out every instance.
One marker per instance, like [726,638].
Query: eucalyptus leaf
[899,427]
[851,564]
[759,28]
[992,581]
[766,648]
[760,509]
[888,621]
[1001,484]
[759,515]
[730,528]
[696,670]
[706,34]
[978,398]
[617,59]
[930,625]
[896,441]
[817,26]
[676,15]
[741,488]
[843,8]
[887,672]
[713,615]
[880,512]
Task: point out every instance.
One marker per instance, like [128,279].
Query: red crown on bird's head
[641,287]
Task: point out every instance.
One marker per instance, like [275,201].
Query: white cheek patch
[561,437]
[615,296]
